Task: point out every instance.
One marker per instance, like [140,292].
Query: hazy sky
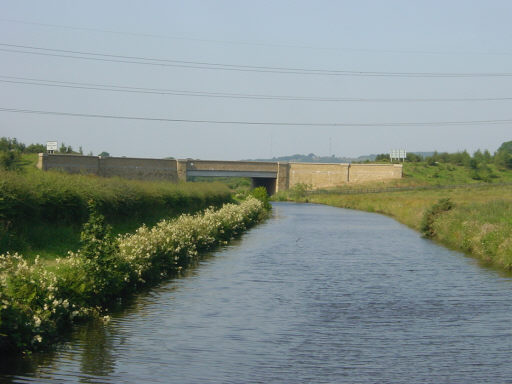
[432,37]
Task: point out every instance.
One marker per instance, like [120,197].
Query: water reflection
[96,342]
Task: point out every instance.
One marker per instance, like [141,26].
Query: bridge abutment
[181,170]
[283,177]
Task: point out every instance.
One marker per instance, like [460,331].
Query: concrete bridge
[274,176]
[262,173]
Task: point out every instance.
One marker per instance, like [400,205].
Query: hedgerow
[60,196]
[33,200]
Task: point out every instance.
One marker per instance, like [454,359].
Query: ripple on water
[316,294]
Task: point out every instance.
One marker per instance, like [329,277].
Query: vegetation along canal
[314,295]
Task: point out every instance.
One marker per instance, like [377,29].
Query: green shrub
[10,160]
[96,237]
[299,191]
[102,274]
[280,196]
[261,194]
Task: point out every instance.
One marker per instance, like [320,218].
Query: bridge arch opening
[267,182]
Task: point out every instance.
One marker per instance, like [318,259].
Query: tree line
[502,158]
[11,150]
[12,144]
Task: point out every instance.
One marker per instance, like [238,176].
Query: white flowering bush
[30,303]
[171,245]
[36,302]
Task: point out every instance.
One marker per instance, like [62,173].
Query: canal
[314,295]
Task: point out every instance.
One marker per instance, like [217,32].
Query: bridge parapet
[210,165]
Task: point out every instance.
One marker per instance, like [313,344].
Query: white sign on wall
[51,146]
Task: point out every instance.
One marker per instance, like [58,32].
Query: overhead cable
[86,55]
[173,92]
[268,123]
[256,43]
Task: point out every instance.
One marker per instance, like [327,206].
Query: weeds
[431,214]
[299,191]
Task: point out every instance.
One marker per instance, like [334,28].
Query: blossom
[37,321]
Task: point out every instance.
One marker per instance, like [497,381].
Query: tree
[8,144]
[10,159]
[36,148]
[414,158]
[503,159]
[487,156]
[4,144]
[432,160]
[383,157]
[104,154]
[503,156]
[460,158]
[506,147]
[478,156]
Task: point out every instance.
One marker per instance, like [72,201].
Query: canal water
[314,295]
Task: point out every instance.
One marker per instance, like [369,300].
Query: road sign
[51,146]
[397,154]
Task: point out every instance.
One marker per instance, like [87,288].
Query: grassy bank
[42,212]
[37,301]
[422,174]
[478,221]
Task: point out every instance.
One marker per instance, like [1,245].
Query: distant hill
[312,158]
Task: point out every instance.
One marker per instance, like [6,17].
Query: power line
[84,55]
[252,43]
[234,122]
[173,92]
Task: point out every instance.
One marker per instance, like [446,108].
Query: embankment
[478,222]
[37,301]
